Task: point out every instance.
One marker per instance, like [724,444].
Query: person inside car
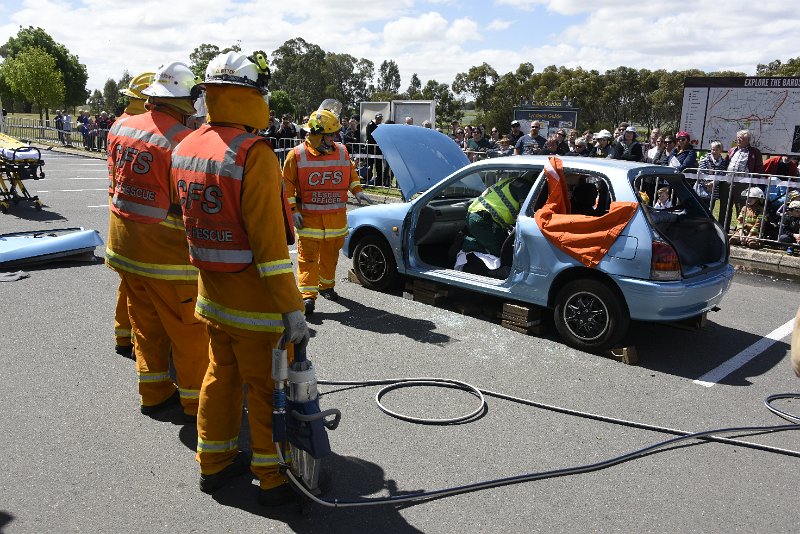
[490,219]
[662,199]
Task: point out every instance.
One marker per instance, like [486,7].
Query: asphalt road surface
[77,456]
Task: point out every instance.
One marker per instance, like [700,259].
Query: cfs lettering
[141,160]
[209,197]
[319,178]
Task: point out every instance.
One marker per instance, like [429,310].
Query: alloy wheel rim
[372,263]
[586,316]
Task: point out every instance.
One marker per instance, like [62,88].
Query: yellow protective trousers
[316,264]
[162,316]
[122,323]
[238,357]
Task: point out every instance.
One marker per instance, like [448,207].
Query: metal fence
[723,190]
[45,131]
[367,158]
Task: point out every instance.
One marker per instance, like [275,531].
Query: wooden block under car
[351,277]
[626,355]
[428,297]
[692,323]
[519,313]
[431,287]
[522,329]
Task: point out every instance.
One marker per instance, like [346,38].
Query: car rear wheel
[373,263]
[589,315]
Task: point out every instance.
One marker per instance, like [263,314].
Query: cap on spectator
[794,205]
[603,134]
[379,115]
[630,129]
[580,141]
[454,121]
[794,194]
[682,134]
[514,123]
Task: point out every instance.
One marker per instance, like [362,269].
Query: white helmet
[753,192]
[233,68]
[172,81]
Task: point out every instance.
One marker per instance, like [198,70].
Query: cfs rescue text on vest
[136,192]
[211,196]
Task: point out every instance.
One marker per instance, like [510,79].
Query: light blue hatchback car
[666,265]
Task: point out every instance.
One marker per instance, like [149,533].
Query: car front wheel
[589,315]
[373,263]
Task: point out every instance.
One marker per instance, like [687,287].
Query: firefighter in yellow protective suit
[147,246]
[318,174]
[229,183]
[123,344]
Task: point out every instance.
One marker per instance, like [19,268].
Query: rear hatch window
[680,219]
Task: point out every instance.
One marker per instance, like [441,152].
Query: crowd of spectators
[624,144]
[93,130]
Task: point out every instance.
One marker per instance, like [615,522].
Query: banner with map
[714,109]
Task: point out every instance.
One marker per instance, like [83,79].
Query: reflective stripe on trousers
[235,358]
[316,265]
[246,320]
[161,271]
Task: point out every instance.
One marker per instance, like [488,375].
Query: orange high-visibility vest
[208,171]
[324,180]
[109,159]
[139,151]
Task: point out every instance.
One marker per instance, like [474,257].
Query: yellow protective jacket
[255,298]
[500,202]
[321,226]
[149,250]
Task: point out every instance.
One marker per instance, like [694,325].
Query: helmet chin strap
[325,147]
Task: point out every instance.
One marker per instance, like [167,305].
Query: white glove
[296,328]
[362,197]
[297,217]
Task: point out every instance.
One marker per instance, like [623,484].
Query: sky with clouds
[435,39]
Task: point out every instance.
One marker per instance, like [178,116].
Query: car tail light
[664,262]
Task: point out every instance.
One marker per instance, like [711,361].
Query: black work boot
[309,306]
[240,465]
[283,494]
[329,294]
[175,398]
[125,350]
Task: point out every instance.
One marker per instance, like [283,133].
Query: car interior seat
[584,197]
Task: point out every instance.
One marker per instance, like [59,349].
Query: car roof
[588,164]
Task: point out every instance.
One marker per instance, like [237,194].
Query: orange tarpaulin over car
[583,237]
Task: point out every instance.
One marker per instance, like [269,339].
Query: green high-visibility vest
[499,202]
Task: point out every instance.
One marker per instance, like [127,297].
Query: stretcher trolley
[18,162]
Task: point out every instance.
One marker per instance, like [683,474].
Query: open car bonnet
[419,157]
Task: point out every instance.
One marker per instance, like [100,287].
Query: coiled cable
[396,383]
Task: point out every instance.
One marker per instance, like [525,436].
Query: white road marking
[99,206]
[90,178]
[715,375]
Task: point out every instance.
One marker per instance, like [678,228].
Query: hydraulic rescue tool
[298,424]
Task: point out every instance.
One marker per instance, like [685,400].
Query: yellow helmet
[137,85]
[325,119]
